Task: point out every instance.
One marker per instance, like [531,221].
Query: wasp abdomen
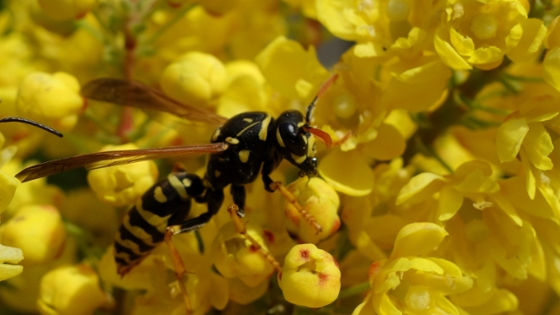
[145,225]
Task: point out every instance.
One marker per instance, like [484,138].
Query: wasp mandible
[245,146]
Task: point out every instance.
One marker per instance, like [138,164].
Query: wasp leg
[292,199]
[179,267]
[214,199]
[242,229]
[238,193]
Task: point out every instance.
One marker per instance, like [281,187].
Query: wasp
[244,147]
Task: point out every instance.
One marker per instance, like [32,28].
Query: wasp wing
[112,158]
[131,93]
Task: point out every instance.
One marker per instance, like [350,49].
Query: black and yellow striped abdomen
[145,225]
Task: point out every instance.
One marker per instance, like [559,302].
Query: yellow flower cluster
[440,193]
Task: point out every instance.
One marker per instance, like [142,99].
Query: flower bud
[70,290]
[196,78]
[38,230]
[51,99]
[122,184]
[310,277]
[321,201]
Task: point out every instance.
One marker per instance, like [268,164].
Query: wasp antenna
[322,91]
[32,123]
[321,135]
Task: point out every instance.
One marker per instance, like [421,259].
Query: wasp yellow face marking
[311,146]
[231,140]
[244,155]
[216,134]
[279,138]
[299,125]
[187,182]
[263,133]
[246,128]
[249,120]
[298,159]
[159,195]
[217,173]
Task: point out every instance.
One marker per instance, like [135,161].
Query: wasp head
[295,143]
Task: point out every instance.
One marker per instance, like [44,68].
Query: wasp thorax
[295,143]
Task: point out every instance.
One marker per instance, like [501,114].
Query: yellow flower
[480,34]
[195,78]
[551,62]
[245,90]
[244,294]
[38,231]
[306,74]
[471,180]
[354,179]
[321,201]
[411,281]
[524,133]
[70,290]
[124,184]
[310,277]
[9,257]
[50,99]
[425,80]
[66,9]
[234,255]
[381,28]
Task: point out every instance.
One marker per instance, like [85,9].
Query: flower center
[344,106]
[484,26]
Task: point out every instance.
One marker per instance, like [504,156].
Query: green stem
[355,290]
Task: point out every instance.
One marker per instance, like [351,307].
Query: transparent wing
[111,158]
[135,94]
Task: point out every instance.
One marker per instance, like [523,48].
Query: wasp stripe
[159,195]
[246,128]
[125,253]
[178,186]
[138,247]
[151,218]
[149,233]
[263,133]
[279,138]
